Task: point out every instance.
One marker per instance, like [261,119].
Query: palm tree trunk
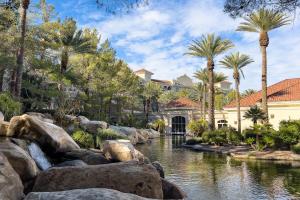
[204,102]
[1,79]
[20,54]
[64,61]
[211,95]
[264,42]
[238,104]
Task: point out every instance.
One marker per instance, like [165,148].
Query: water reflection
[214,176]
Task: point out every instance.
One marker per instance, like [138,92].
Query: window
[222,123]
[178,124]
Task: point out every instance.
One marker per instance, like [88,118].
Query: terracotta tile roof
[183,102]
[286,90]
[162,81]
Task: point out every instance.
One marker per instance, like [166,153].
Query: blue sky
[156,37]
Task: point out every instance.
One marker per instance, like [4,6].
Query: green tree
[248,92]
[202,75]
[208,47]
[237,62]
[263,21]
[151,92]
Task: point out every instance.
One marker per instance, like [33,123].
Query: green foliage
[289,132]
[108,134]
[8,106]
[159,125]
[296,148]
[255,114]
[83,139]
[222,136]
[194,140]
[197,127]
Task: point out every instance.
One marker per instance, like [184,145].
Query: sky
[156,37]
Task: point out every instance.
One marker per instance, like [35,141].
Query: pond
[211,176]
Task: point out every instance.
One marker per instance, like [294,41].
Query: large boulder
[91,126]
[159,168]
[71,163]
[20,160]
[11,187]
[84,194]
[1,116]
[133,135]
[3,128]
[43,117]
[129,177]
[172,191]
[51,137]
[88,156]
[121,150]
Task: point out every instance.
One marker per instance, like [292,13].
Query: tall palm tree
[208,47]
[69,40]
[18,74]
[263,21]
[202,75]
[237,62]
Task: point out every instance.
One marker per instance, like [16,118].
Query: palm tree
[263,21]
[237,62]
[70,40]
[18,74]
[151,93]
[202,75]
[255,114]
[208,47]
[248,92]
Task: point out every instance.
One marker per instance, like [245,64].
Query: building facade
[283,104]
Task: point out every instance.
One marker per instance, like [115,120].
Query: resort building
[283,104]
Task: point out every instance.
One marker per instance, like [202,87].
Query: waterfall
[39,156]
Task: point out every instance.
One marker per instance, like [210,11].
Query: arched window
[222,123]
[178,125]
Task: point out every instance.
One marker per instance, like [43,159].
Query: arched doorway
[178,125]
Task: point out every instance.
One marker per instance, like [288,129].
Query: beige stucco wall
[278,111]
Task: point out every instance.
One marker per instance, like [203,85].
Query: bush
[159,125]
[296,148]
[8,106]
[226,135]
[289,132]
[84,139]
[108,134]
[193,141]
[198,127]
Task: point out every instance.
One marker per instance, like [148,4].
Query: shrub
[84,139]
[198,127]
[226,135]
[159,125]
[289,132]
[193,141]
[108,134]
[9,106]
[296,148]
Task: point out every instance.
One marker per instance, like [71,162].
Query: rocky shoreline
[39,160]
[245,152]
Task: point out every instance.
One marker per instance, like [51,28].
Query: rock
[91,126]
[51,137]
[1,116]
[84,194]
[20,160]
[11,187]
[41,116]
[153,133]
[133,135]
[87,156]
[159,168]
[3,128]
[129,177]
[71,163]
[121,150]
[172,191]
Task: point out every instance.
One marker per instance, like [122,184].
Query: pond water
[211,176]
